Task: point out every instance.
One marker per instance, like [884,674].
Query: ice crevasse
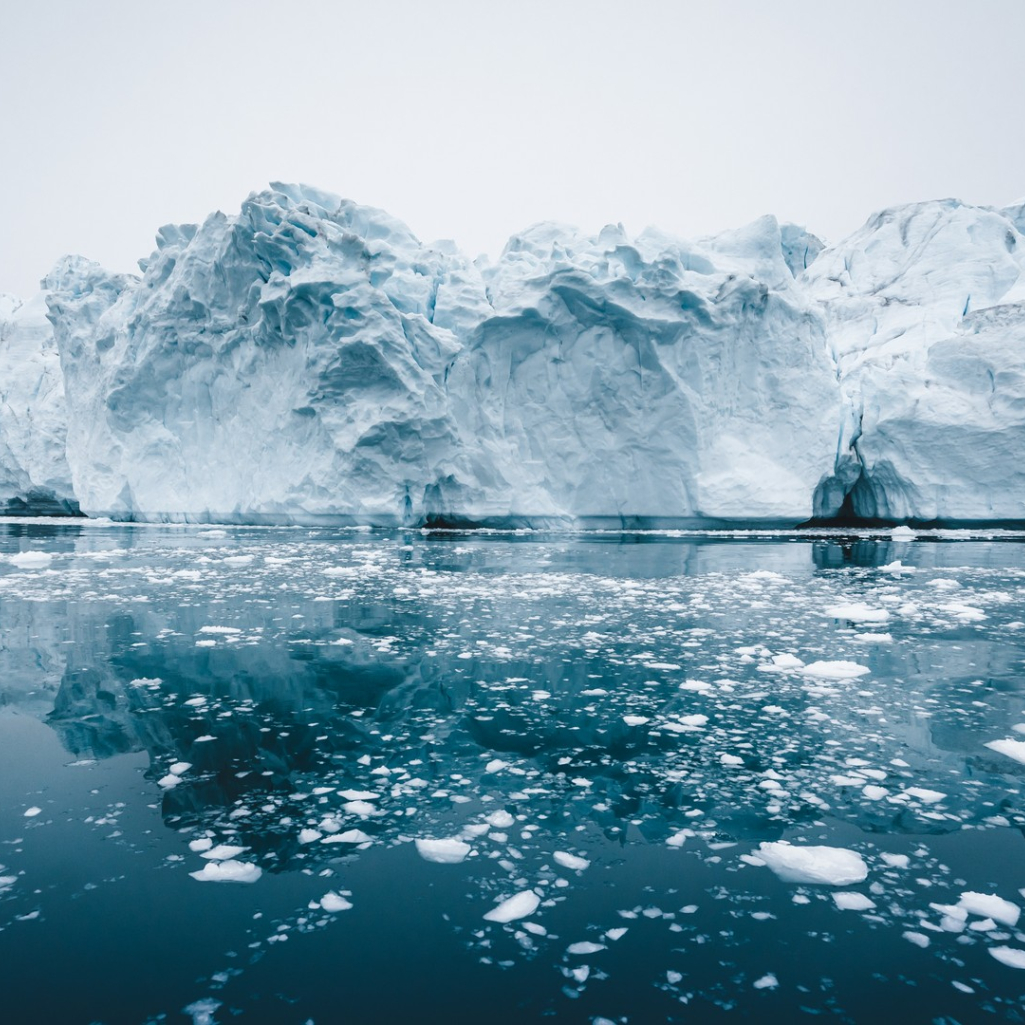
[310,360]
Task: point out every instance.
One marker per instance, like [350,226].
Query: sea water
[293,775]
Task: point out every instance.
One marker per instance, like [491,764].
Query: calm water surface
[283,775]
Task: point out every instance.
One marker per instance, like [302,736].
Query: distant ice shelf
[309,360]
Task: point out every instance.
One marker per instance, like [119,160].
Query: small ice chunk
[857,612]
[895,860]
[31,813]
[519,905]
[902,533]
[635,720]
[496,765]
[830,866]
[570,861]
[364,809]
[989,905]
[897,569]
[309,835]
[727,759]
[349,836]
[787,661]
[500,819]
[1011,748]
[357,795]
[204,843]
[696,720]
[442,852]
[333,902]
[874,793]
[853,901]
[616,934]
[168,781]
[1010,956]
[180,768]
[202,1011]
[919,939]
[839,670]
[767,981]
[227,872]
[923,795]
[223,852]
[31,559]
[584,947]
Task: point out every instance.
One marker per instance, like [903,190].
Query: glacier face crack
[310,360]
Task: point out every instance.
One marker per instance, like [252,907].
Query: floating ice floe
[334,902]
[520,905]
[227,872]
[856,612]
[1011,748]
[848,901]
[989,905]
[1010,956]
[31,559]
[570,861]
[839,670]
[828,866]
[897,569]
[442,852]
[585,947]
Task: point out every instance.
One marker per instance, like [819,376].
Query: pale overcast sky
[471,120]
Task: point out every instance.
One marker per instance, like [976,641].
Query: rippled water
[607,726]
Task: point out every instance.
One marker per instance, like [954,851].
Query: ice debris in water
[840,670]
[989,905]
[1010,956]
[31,560]
[227,872]
[829,866]
[334,902]
[520,905]
[570,861]
[848,901]
[857,612]
[443,852]
[202,1011]
[1011,748]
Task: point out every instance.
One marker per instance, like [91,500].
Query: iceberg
[310,360]
[35,478]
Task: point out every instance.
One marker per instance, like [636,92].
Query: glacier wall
[310,360]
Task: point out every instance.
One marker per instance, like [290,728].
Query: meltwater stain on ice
[549,769]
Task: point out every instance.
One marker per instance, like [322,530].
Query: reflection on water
[606,725]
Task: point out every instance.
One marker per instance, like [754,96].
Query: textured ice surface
[519,905]
[310,359]
[831,866]
[444,852]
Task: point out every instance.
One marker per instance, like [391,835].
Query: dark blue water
[609,726]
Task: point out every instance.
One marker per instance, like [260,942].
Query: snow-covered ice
[755,375]
[444,852]
[520,905]
[819,865]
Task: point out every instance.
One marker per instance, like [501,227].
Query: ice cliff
[34,473]
[310,360]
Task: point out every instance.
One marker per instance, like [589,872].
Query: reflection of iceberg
[378,693]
